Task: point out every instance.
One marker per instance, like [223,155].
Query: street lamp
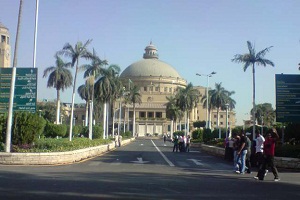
[227,105]
[207,75]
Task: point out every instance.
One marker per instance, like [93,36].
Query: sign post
[25,89]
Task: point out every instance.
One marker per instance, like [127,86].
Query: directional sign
[25,89]
[287,97]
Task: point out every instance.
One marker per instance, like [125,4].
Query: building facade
[4,47]
[158,80]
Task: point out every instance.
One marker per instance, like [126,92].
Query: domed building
[4,47]
[156,80]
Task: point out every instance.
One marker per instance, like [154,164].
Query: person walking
[188,142]
[165,139]
[241,153]
[175,141]
[259,149]
[248,155]
[269,153]
[235,155]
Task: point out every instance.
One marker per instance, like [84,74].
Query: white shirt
[259,144]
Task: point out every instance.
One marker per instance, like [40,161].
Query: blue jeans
[242,161]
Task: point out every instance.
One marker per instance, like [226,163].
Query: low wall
[56,158]
[281,162]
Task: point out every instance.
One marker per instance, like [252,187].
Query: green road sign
[25,89]
[287,97]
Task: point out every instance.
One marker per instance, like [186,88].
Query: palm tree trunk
[73,100]
[254,110]
[57,107]
[104,120]
[133,128]
[86,113]
[90,121]
[218,122]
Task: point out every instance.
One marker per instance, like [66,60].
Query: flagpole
[35,32]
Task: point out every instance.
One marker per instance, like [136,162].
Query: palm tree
[60,77]
[84,92]
[210,106]
[172,111]
[106,88]
[75,53]
[92,71]
[187,99]
[219,98]
[251,59]
[265,114]
[134,97]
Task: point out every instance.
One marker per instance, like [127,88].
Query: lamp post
[227,105]
[208,76]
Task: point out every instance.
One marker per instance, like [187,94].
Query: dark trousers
[187,147]
[268,162]
[248,162]
[175,147]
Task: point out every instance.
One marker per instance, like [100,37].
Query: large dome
[150,66]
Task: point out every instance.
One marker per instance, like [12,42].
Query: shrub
[178,133]
[198,135]
[27,127]
[3,120]
[292,151]
[127,134]
[97,132]
[207,135]
[54,130]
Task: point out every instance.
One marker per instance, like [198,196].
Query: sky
[193,36]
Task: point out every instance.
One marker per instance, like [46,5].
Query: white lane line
[163,155]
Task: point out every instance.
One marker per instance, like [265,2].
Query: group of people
[239,149]
[181,143]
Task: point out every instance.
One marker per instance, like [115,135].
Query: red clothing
[269,146]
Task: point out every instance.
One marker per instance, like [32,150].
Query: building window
[228,116]
[158,115]
[215,116]
[3,38]
[221,116]
[145,89]
[82,117]
[156,89]
[221,123]
[151,88]
[215,123]
[130,114]
[7,40]
[150,114]
[170,90]
[142,114]
[166,89]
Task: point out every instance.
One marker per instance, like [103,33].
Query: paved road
[144,169]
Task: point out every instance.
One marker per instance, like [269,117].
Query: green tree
[133,98]
[60,78]
[107,87]
[250,60]
[92,71]
[187,99]
[172,111]
[219,98]
[75,53]
[265,114]
[84,92]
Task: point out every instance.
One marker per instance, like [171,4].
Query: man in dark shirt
[242,152]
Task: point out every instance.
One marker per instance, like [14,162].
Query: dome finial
[150,52]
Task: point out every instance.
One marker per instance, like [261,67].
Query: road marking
[140,161]
[197,162]
[163,155]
